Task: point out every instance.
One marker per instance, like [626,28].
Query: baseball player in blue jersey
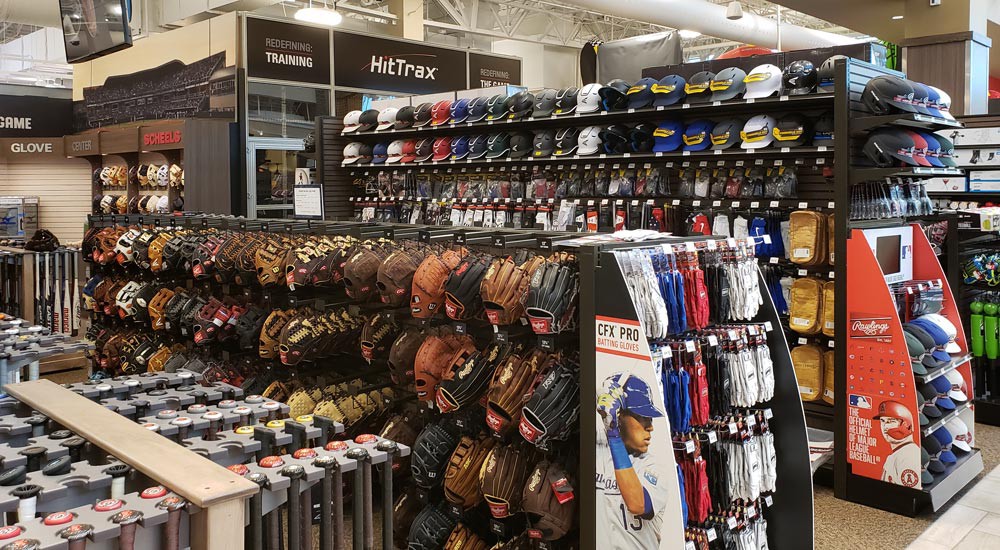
[632,491]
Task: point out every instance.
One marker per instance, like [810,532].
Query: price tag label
[689,446]
[711,245]
[713,340]
[716,203]
[768,501]
[829,344]
[803,341]
[689,346]
[739,163]
[772,260]
[774,204]
[768,414]
[802,273]
[751,420]
[731,242]
[695,203]
[690,247]
[732,335]
[803,205]
[732,429]
[736,204]
[710,533]
[689,545]
[768,326]
[675,202]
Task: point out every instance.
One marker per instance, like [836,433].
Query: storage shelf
[685,110]
[749,158]
[958,362]
[863,125]
[859,175]
[955,478]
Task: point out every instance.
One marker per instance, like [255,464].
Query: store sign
[487,71]
[286,51]
[82,146]
[31,149]
[375,63]
[31,116]
[308,202]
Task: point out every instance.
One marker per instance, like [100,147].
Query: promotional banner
[202,89]
[374,63]
[487,71]
[286,51]
[32,116]
[883,440]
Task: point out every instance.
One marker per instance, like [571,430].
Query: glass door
[271,166]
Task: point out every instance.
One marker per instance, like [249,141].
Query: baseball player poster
[638,498]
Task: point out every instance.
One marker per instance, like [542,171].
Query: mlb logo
[860,401]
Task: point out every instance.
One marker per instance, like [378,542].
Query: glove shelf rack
[873,371]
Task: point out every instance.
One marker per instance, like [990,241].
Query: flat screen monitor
[92,28]
[888,251]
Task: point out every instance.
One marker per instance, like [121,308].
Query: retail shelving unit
[875,367]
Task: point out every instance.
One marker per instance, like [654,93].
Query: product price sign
[309,202]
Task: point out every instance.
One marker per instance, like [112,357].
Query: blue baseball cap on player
[639,399]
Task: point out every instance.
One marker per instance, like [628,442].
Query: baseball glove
[553,408]
[377,336]
[502,478]
[301,402]
[463,538]
[395,276]
[270,264]
[430,530]
[270,333]
[434,355]
[548,500]
[248,326]
[404,511]
[361,272]
[465,383]
[429,455]
[551,297]
[427,291]
[403,429]
[461,478]
[504,286]
[519,542]
[402,354]
[510,383]
[329,409]
[159,359]
[461,290]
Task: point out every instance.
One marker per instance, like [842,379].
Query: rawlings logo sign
[870,327]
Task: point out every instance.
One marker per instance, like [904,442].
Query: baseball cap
[409,151]
[957,392]
[925,457]
[352,121]
[937,333]
[949,329]
[638,398]
[930,396]
[380,153]
[947,457]
[916,351]
[943,387]
[924,421]
[943,437]
[961,436]
[926,478]
[933,448]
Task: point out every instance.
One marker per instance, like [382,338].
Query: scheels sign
[162,138]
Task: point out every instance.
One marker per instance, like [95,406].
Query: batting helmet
[895,409]
[639,398]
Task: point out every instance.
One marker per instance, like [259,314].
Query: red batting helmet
[895,409]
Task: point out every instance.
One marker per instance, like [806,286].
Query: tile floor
[972,523]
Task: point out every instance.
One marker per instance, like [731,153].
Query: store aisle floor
[970,522]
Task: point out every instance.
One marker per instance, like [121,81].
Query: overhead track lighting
[734,11]
[320,16]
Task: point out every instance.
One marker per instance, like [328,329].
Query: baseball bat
[391,448]
[172,528]
[257,511]
[294,473]
[66,300]
[56,291]
[76,298]
[326,533]
[39,303]
[49,314]
[338,508]
[305,505]
[76,535]
[127,521]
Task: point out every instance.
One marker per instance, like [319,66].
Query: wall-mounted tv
[92,28]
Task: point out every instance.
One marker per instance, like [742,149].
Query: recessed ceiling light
[897,17]
[685,33]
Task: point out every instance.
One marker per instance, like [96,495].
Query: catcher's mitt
[461,290]
[502,478]
[465,383]
[434,355]
[504,286]
[301,402]
[427,292]
[377,336]
[429,455]
[551,297]
[430,530]
[402,354]
[548,500]
[395,277]
[510,383]
[463,538]
[552,411]
[461,478]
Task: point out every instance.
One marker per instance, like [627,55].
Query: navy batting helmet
[639,398]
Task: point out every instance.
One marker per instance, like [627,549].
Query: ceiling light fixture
[689,34]
[320,16]
[734,11]
[897,17]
